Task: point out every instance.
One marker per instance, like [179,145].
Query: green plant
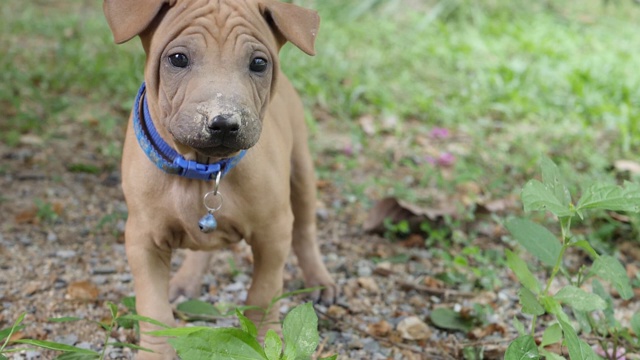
[71,352]
[300,332]
[45,211]
[536,298]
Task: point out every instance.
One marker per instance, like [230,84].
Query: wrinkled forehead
[217,22]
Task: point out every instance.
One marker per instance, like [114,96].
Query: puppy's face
[214,63]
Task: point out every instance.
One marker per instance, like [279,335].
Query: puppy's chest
[224,234]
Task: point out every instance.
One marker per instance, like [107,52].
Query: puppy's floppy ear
[128,18]
[293,23]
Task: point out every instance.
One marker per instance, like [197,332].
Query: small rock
[70,339]
[370,345]
[25,240]
[99,279]
[52,237]
[236,286]
[412,328]
[364,269]
[33,355]
[84,345]
[368,283]
[66,254]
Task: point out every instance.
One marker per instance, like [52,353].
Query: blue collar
[165,157]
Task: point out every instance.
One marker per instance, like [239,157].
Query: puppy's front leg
[270,250]
[150,266]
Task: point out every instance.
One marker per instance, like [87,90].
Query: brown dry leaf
[336,311]
[498,205]
[32,287]
[83,290]
[413,241]
[434,283]
[398,210]
[381,328]
[412,328]
[27,216]
[627,165]
[480,333]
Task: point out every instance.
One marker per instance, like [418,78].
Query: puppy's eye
[258,65]
[179,60]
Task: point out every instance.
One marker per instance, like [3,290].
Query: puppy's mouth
[220,152]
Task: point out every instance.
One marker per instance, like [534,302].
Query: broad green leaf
[2,357]
[519,267]
[583,319]
[539,241]
[272,345]
[247,325]
[130,303]
[552,306]
[519,326]
[523,347]
[553,180]
[635,324]
[141,318]
[64,319]
[198,307]
[181,331]
[538,197]
[551,335]
[578,349]
[54,346]
[609,269]
[611,197]
[584,245]
[220,343]
[451,320]
[580,299]
[300,331]
[548,355]
[599,290]
[529,302]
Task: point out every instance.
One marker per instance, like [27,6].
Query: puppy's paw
[329,292]
[185,287]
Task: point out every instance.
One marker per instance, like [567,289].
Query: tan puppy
[214,89]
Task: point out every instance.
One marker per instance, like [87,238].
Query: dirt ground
[62,254]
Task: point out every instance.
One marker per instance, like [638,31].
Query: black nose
[223,124]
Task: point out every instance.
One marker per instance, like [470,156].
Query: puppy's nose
[222,124]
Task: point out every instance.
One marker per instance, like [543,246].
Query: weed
[552,195]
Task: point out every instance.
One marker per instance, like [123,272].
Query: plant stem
[106,338]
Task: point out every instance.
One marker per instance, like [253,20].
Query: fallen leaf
[83,290]
[480,333]
[336,311]
[381,328]
[27,217]
[398,210]
[412,328]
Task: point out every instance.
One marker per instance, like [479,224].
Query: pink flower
[446,159]
[439,133]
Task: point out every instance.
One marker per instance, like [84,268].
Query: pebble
[84,345]
[412,328]
[100,280]
[70,339]
[234,287]
[52,237]
[364,269]
[25,240]
[66,254]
